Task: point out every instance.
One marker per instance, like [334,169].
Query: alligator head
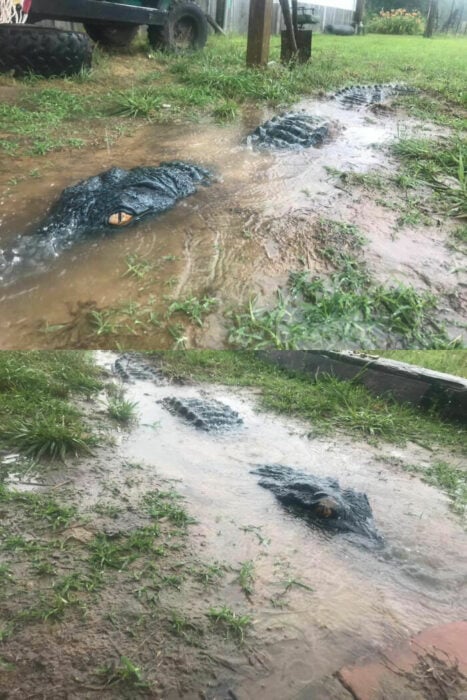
[320,500]
[102,204]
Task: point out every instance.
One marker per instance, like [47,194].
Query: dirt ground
[158,567]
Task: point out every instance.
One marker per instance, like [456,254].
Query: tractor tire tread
[44,51]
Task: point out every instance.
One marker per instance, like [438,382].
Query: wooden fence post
[259,32]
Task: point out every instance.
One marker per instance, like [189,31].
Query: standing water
[319,601]
[240,237]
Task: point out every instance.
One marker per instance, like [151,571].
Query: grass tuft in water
[234,624]
[125,674]
[442,165]
[451,479]
[137,102]
[166,504]
[344,310]
[196,309]
[119,552]
[246,578]
[122,410]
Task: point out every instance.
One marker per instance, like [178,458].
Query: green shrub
[398,21]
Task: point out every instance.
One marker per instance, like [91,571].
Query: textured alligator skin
[206,414]
[133,365]
[357,95]
[103,203]
[293,130]
[320,500]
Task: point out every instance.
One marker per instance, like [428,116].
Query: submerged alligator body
[206,414]
[320,500]
[103,203]
[133,365]
[357,95]
[293,131]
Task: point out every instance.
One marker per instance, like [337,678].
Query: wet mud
[237,240]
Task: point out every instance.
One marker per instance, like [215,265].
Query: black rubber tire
[186,29]
[48,52]
[112,35]
[340,29]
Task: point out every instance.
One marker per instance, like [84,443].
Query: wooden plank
[405,383]
[259,32]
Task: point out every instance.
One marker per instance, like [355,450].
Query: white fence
[236,16]
[237,11]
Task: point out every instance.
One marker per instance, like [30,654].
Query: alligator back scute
[133,365]
[357,95]
[320,500]
[294,130]
[205,414]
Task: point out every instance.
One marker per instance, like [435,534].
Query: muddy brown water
[362,599]
[236,239]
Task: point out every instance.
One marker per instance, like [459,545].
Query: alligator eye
[120,218]
[325,508]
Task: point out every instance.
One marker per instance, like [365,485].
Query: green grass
[45,508]
[451,479]
[442,165]
[450,361]
[246,577]
[138,102]
[166,504]
[137,266]
[208,574]
[125,674]
[460,234]
[132,319]
[215,82]
[326,403]
[122,410]
[128,319]
[344,309]
[231,622]
[119,552]
[196,309]
[37,417]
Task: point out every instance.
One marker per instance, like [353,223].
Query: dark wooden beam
[259,32]
[220,13]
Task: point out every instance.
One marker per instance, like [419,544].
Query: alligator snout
[103,203]
[320,500]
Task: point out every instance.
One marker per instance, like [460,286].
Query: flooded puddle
[236,239]
[318,601]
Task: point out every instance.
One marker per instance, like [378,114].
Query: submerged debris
[320,500]
[207,414]
[356,95]
[292,130]
[134,365]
